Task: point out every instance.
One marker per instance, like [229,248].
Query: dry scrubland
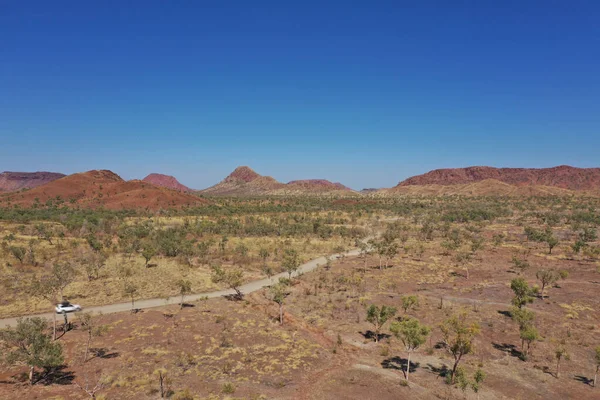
[472,268]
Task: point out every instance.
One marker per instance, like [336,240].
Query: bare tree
[91,324]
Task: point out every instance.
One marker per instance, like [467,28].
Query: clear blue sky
[366,93]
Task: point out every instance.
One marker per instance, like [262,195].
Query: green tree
[528,335]
[547,277]
[409,302]
[458,336]
[523,293]
[291,262]
[148,252]
[233,278]
[551,241]
[185,287]
[378,316]
[44,232]
[28,344]
[412,335]
[519,264]
[478,379]
[278,293]
[264,255]
[18,252]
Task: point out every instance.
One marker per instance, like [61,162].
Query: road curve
[150,303]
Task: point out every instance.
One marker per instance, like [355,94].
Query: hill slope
[243,181]
[487,187]
[166,181]
[563,176]
[101,188]
[13,181]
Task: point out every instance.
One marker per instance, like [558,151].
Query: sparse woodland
[447,297]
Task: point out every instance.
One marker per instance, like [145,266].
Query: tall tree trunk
[558,368]
[595,376]
[87,346]
[456,361]
[281,313]
[408,366]
[54,327]
[161,379]
[31,375]
[543,287]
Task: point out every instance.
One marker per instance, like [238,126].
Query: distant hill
[368,190]
[563,176]
[487,187]
[166,181]
[101,188]
[243,181]
[13,181]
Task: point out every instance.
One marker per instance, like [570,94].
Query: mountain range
[104,188]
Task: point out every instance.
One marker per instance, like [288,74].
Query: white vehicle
[66,307]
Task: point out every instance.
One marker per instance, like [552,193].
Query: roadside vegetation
[486,293]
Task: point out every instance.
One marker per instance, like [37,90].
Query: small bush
[183,395]
[228,388]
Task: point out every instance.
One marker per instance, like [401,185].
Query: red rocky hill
[166,181]
[243,181]
[13,181]
[564,177]
[101,188]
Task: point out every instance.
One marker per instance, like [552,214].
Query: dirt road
[150,303]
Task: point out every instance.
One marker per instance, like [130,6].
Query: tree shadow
[103,353]
[505,313]
[584,380]
[439,345]
[442,371]
[55,376]
[371,335]
[187,305]
[399,363]
[234,297]
[508,348]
